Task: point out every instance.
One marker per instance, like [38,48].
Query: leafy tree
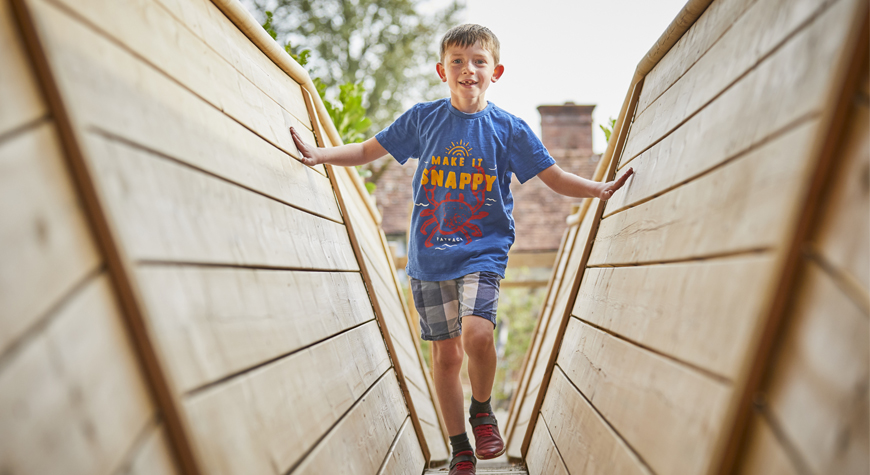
[388,47]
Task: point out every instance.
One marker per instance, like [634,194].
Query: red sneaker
[463,463]
[487,440]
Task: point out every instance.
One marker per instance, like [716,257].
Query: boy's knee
[478,336]
[448,353]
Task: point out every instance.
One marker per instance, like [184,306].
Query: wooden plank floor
[484,468]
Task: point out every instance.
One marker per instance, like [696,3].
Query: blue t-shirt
[462,221]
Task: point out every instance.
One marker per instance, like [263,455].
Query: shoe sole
[480,457]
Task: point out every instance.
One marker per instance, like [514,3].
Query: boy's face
[468,72]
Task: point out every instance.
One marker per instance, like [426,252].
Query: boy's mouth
[468,83]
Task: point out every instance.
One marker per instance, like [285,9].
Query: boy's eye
[457,61]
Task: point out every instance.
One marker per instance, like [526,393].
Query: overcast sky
[583,51]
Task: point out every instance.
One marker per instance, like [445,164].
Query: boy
[461,227]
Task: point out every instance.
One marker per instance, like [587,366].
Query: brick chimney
[540,213]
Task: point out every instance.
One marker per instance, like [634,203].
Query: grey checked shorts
[442,305]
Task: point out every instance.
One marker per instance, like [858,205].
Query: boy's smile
[468,72]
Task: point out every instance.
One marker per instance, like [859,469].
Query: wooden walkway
[484,468]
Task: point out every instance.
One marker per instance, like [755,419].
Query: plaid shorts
[442,305]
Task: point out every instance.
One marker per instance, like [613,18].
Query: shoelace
[465,465]
[483,431]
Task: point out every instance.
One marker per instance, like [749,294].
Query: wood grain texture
[548,339]
[739,207]
[669,414]
[405,455]
[765,453]
[158,37]
[817,392]
[694,44]
[844,231]
[267,420]
[213,322]
[585,441]
[787,87]
[700,312]
[113,91]
[19,92]
[46,247]
[544,458]
[152,456]
[73,399]
[765,24]
[360,442]
[167,212]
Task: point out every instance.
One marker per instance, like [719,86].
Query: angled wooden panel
[357,444]
[585,441]
[72,397]
[737,208]
[158,37]
[766,454]
[19,91]
[405,455]
[544,458]
[762,28]
[46,248]
[210,221]
[668,413]
[672,310]
[267,420]
[818,390]
[785,89]
[110,89]
[152,456]
[716,20]
[214,322]
[844,232]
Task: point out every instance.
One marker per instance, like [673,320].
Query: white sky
[583,51]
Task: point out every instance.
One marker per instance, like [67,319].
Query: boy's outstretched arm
[569,184]
[344,155]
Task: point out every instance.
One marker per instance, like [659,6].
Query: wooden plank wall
[681,278]
[237,259]
[73,397]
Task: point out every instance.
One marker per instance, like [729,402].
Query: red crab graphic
[453,215]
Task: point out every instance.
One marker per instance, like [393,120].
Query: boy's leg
[447,361]
[479,344]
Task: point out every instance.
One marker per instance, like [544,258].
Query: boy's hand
[308,154]
[607,189]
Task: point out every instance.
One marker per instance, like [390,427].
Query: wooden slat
[764,26]
[361,440]
[46,248]
[19,92]
[737,208]
[213,322]
[110,89]
[434,433]
[701,313]
[585,442]
[669,414]
[158,36]
[766,454]
[843,236]
[151,456]
[716,20]
[404,456]
[818,390]
[168,212]
[73,399]
[543,457]
[538,366]
[267,420]
[787,87]
[205,20]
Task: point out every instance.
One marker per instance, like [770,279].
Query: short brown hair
[469,34]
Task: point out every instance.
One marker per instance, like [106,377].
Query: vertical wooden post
[119,267]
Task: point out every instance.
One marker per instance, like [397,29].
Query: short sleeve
[402,137]
[528,156]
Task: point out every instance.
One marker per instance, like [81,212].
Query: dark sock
[478,407]
[460,443]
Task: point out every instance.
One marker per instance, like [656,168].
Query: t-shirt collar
[463,115]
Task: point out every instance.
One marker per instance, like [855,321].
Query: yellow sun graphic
[460,149]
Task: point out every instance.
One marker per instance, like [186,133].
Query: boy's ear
[496,74]
[441,73]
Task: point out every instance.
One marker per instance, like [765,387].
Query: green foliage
[302,57]
[609,128]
